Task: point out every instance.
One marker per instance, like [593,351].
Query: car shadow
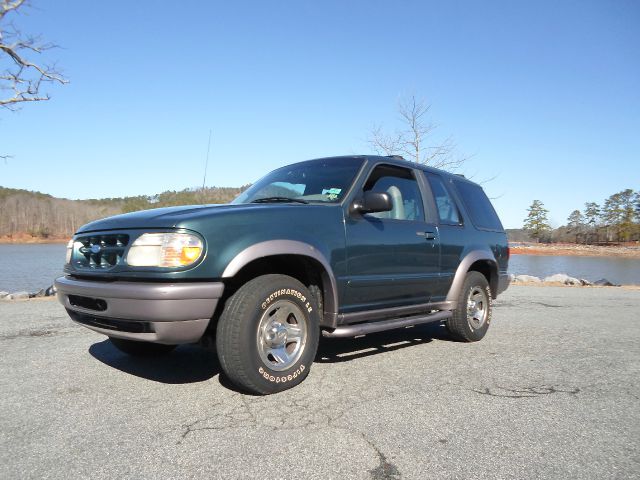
[186,364]
[194,363]
[336,350]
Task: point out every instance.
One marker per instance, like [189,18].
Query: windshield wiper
[277,200]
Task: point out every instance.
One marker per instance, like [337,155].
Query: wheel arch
[481,261]
[290,257]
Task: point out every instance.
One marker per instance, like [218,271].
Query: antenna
[207,162]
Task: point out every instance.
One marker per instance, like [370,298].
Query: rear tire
[472,315]
[141,349]
[268,333]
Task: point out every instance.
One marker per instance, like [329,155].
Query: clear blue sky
[545,96]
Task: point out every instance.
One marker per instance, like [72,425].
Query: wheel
[141,349]
[472,315]
[267,335]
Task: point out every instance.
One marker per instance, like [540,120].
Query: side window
[478,206]
[403,188]
[447,209]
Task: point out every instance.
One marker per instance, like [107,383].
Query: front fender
[292,247]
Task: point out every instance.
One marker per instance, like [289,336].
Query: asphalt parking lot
[551,392]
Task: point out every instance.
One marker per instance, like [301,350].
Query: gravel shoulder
[551,392]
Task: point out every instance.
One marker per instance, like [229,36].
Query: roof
[398,161]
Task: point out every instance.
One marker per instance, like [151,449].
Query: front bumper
[169,313]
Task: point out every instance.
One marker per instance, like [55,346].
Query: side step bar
[380,326]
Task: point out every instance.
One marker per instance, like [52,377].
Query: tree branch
[412,141]
[26,78]
[384,144]
[7,6]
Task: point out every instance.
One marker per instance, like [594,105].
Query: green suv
[339,247]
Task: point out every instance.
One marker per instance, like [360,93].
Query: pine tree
[626,227]
[591,214]
[537,224]
[575,220]
[575,223]
[592,219]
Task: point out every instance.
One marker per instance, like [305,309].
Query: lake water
[32,267]
[618,270]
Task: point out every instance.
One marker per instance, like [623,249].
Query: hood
[175,217]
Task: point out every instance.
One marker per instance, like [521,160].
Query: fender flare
[461,272]
[292,247]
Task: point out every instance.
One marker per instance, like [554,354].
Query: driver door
[393,258]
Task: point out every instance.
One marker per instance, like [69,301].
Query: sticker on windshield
[331,193]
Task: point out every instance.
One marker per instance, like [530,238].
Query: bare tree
[412,141]
[21,79]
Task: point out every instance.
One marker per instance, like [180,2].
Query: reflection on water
[620,270]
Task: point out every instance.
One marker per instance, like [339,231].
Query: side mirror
[372,202]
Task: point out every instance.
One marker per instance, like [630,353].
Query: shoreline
[543,284]
[577,250]
[29,240]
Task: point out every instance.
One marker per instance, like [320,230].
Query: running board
[380,326]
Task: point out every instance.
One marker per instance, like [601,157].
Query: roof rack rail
[396,157]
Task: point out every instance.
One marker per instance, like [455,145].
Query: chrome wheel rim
[282,335]
[477,308]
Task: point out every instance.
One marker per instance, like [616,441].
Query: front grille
[99,252]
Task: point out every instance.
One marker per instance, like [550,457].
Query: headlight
[69,251]
[165,250]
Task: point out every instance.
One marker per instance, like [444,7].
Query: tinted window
[403,189]
[324,180]
[447,209]
[478,205]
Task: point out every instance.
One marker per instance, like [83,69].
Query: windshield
[325,181]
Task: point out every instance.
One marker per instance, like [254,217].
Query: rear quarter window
[478,206]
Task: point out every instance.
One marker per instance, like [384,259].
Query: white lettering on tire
[286,291]
[282,379]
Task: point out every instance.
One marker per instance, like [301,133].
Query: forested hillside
[41,216]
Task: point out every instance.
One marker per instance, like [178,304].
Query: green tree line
[616,220]
[41,215]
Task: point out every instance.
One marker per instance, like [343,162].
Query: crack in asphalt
[548,305]
[309,413]
[227,419]
[385,469]
[525,392]
[189,428]
[31,333]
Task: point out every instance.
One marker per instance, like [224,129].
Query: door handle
[427,235]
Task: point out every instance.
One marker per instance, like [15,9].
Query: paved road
[551,392]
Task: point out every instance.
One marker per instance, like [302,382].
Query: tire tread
[458,325]
[232,356]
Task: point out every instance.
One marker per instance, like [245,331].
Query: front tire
[472,315]
[141,349]
[268,333]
